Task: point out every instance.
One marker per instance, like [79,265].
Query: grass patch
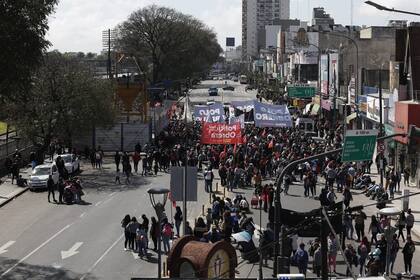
[3,127]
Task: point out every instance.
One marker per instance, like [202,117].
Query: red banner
[220,133]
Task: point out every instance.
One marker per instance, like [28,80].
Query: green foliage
[66,101]
[23,26]
[168,44]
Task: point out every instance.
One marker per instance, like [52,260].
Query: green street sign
[300,91]
[359,145]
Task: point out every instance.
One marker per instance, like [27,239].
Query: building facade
[256,14]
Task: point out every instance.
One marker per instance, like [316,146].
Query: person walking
[408,253]
[15,170]
[117,160]
[406,176]
[141,239]
[136,159]
[375,228]
[347,197]
[60,190]
[395,246]
[363,250]
[154,233]
[302,258]
[350,255]
[132,229]
[409,221]
[401,224]
[51,187]
[178,219]
[317,262]
[332,252]
[167,233]
[124,224]
[208,180]
[359,225]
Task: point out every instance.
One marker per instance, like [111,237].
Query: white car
[40,174]
[71,162]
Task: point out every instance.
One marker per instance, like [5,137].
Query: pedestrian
[132,227]
[124,224]
[51,187]
[200,228]
[136,159]
[141,239]
[363,250]
[317,262]
[167,233]
[359,225]
[208,180]
[409,221]
[8,163]
[332,252]
[156,167]
[351,258]
[395,246]
[154,232]
[331,196]
[227,226]
[302,258]
[127,173]
[382,246]
[144,166]
[401,224]
[188,229]
[347,197]
[398,180]
[117,160]
[406,176]
[408,252]
[117,176]
[374,228]
[348,224]
[145,225]
[60,190]
[178,219]
[15,170]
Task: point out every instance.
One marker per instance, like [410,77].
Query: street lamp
[383,8]
[158,197]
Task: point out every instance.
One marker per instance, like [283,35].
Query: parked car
[71,162]
[40,175]
[213,91]
[249,87]
[229,88]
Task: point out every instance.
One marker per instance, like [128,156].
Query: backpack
[167,230]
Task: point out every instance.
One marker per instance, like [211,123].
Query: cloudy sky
[77,24]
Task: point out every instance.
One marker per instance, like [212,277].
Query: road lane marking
[98,203]
[36,250]
[81,215]
[111,194]
[72,251]
[3,249]
[108,200]
[101,257]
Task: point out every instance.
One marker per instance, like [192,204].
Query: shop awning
[307,108]
[315,109]
[351,117]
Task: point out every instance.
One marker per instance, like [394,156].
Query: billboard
[230,41]
[324,74]
[333,74]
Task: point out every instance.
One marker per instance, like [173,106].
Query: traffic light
[413,133]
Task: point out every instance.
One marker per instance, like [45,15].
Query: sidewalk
[359,198]
[9,191]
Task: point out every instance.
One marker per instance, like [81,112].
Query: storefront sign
[373,109]
[220,133]
[267,115]
[326,104]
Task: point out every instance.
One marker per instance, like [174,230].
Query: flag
[171,199]
[263,133]
[234,149]
[244,139]
[271,144]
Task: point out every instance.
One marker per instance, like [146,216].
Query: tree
[23,26]
[167,44]
[66,101]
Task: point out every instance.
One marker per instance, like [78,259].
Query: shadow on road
[37,272]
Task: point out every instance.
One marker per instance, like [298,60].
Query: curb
[13,197]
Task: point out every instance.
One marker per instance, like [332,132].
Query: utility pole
[184,191]
[324,247]
[381,155]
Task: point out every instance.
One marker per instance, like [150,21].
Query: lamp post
[383,8]
[158,197]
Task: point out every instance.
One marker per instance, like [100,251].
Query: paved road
[201,95]
[34,232]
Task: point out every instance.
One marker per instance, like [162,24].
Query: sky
[77,25]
